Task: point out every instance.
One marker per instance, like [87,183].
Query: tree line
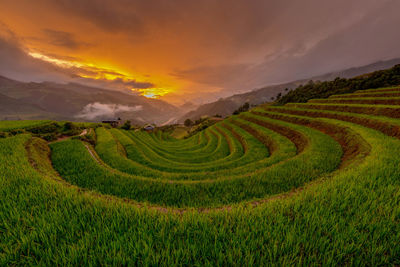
[377,79]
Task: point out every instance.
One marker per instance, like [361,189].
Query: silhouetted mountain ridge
[48,100]
[226,106]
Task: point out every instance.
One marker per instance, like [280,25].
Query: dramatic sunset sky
[183,50]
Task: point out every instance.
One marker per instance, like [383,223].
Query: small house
[149,127]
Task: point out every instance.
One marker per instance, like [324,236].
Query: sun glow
[154,92]
[110,74]
[59,62]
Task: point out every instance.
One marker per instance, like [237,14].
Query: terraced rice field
[302,184]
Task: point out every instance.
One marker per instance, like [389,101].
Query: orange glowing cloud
[109,74]
[184,50]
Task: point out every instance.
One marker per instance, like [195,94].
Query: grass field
[12,125]
[179,132]
[315,183]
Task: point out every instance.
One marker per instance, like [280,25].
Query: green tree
[188,122]
[245,107]
[382,78]
[69,126]
[126,125]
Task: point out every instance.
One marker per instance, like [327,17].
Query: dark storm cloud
[229,45]
[312,42]
[133,83]
[61,38]
[237,21]
[15,63]
[370,37]
[111,16]
[214,75]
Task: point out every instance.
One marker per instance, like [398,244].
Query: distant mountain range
[76,102]
[226,106]
[19,100]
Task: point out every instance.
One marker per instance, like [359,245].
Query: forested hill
[303,93]
[226,106]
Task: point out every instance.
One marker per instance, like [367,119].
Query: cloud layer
[197,49]
[105,111]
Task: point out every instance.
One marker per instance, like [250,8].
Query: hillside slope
[78,102]
[382,78]
[14,109]
[227,105]
[309,184]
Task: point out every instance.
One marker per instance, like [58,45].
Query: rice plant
[314,183]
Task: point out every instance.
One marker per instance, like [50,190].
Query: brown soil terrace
[370,94]
[352,144]
[238,137]
[394,89]
[299,140]
[373,101]
[384,127]
[264,139]
[392,112]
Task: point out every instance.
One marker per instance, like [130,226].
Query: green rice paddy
[306,184]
